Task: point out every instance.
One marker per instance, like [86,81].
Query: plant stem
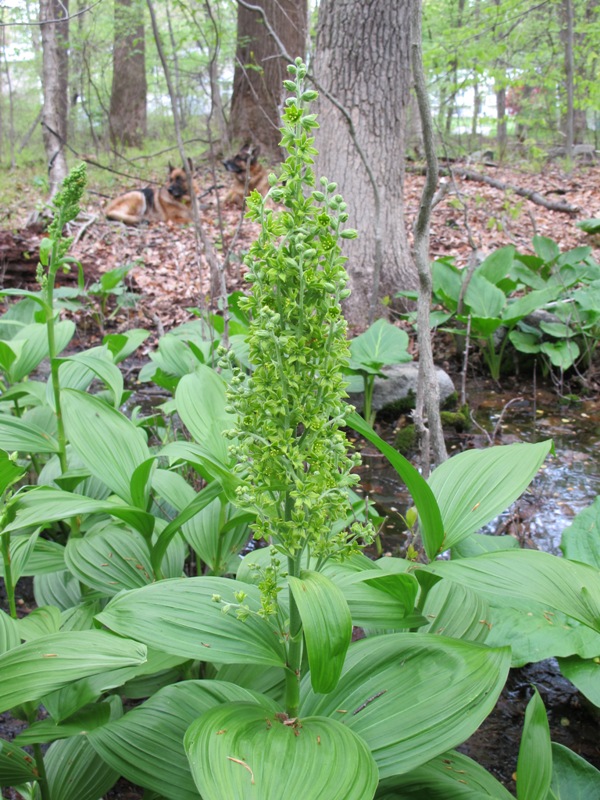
[294,660]
[41,768]
[8,579]
[54,366]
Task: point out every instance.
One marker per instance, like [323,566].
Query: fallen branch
[471,175]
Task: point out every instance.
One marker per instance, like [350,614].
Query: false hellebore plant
[293,702]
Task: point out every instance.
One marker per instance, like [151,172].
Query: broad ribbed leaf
[454,610]
[109,444]
[200,501]
[327,626]
[235,750]
[381,344]
[200,400]
[378,600]
[50,505]
[534,766]
[60,589]
[473,487]
[483,298]
[41,621]
[554,582]
[211,532]
[573,778]
[9,633]
[430,519]
[101,364]
[26,437]
[451,776]
[146,745]
[35,350]
[536,631]
[110,560]
[16,765]
[584,673]
[412,696]
[42,665]
[581,540]
[9,471]
[46,730]
[181,616]
[497,265]
[76,772]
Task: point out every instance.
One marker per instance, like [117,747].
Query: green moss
[459,421]
[405,439]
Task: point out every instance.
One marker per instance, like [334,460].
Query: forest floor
[169,278]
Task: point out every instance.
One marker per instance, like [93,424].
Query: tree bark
[263,27]
[55,81]
[501,131]
[569,78]
[127,115]
[362,67]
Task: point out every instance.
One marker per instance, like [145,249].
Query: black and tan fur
[169,203]
[248,175]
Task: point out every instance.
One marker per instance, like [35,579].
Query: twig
[84,227]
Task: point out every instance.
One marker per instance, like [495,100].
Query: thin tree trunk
[427,410]
[55,80]
[569,78]
[501,131]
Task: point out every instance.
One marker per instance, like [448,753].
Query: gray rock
[399,389]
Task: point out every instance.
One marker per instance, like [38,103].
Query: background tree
[362,65]
[54,25]
[127,118]
[264,28]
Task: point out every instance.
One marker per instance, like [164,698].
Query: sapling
[290,448]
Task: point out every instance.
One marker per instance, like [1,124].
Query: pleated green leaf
[31,670]
[453,610]
[555,582]
[380,600]
[46,730]
[110,560]
[534,765]
[200,400]
[35,350]
[43,505]
[473,487]
[584,673]
[26,437]
[412,696]
[76,772]
[236,751]
[101,364]
[16,766]
[451,776]
[9,471]
[108,443]
[181,616]
[430,520]
[573,778]
[9,633]
[327,626]
[146,745]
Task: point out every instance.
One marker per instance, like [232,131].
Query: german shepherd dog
[248,175]
[170,203]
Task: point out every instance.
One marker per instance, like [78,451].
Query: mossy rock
[460,420]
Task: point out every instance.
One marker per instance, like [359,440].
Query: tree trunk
[127,116]
[569,78]
[265,29]
[501,132]
[362,62]
[55,81]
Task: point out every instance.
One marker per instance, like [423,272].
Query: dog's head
[177,183]
[243,161]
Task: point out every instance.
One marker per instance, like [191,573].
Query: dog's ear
[255,150]
[170,168]
[190,164]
